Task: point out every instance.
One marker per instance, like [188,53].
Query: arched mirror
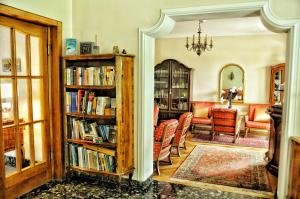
[231,83]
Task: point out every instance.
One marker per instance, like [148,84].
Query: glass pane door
[161,86]
[24,99]
[180,88]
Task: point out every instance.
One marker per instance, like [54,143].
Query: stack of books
[90,76]
[81,129]
[88,159]
[85,101]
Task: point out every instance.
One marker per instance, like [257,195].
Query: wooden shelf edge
[79,141]
[91,116]
[76,168]
[90,87]
[96,56]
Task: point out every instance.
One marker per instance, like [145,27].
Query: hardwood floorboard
[166,172]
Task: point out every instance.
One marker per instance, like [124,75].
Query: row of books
[89,76]
[85,101]
[89,159]
[81,129]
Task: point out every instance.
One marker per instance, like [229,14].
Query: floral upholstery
[225,122]
[163,136]
[250,124]
[182,129]
[155,115]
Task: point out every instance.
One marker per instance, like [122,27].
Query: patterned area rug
[256,142]
[232,167]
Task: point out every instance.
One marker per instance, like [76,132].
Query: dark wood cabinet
[172,88]
[274,142]
[277,84]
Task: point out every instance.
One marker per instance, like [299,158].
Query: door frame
[291,108]
[54,82]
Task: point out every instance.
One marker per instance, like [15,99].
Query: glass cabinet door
[179,88]
[161,86]
[278,90]
[277,84]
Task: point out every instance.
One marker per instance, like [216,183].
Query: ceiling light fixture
[199,47]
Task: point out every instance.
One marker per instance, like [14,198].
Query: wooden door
[24,122]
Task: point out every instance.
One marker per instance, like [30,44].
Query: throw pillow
[260,115]
[200,111]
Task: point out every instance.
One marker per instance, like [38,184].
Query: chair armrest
[246,118]
[238,124]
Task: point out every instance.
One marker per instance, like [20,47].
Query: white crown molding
[291,112]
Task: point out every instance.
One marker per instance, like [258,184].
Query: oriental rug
[254,141]
[226,166]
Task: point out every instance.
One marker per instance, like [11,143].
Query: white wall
[60,10]
[256,54]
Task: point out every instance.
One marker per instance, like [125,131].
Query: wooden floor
[166,171]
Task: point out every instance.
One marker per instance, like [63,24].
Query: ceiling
[221,27]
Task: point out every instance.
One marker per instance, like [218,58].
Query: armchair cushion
[210,106]
[260,115]
[197,120]
[252,108]
[200,111]
[258,125]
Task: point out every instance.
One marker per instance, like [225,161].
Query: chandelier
[199,47]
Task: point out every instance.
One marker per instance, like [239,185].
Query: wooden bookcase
[122,90]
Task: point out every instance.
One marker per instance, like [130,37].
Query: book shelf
[98,114]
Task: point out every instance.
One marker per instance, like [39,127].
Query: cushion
[197,120]
[258,125]
[200,111]
[260,115]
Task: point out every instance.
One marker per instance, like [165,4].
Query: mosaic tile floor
[87,188]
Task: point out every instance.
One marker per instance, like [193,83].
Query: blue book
[74,101]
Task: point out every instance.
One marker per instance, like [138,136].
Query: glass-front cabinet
[277,84]
[172,88]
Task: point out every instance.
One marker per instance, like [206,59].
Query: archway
[291,111]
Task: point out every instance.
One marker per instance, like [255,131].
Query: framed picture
[71,46]
[86,47]
[7,66]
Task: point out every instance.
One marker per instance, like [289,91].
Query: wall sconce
[231,76]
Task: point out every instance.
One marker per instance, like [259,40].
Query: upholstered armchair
[202,119]
[155,115]
[257,118]
[163,136]
[226,121]
[181,131]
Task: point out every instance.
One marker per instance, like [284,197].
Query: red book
[80,96]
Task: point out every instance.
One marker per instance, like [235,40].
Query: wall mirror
[231,83]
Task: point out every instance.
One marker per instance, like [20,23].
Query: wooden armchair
[258,118]
[181,131]
[226,121]
[163,136]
